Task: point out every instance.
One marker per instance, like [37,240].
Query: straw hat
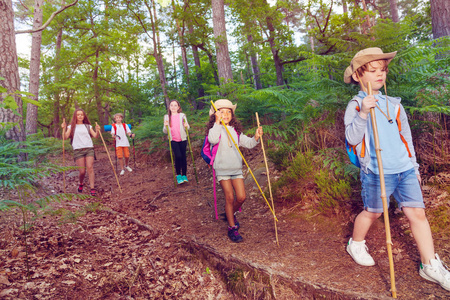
[222,103]
[363,57]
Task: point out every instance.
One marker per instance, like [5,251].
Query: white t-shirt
[81,137]
[123,140]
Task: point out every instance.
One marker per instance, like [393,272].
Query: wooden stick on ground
[268,180]
[383,193]
[64,157]
[110,160]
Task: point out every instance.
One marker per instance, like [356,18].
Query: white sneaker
[128,168]
[358,251]
[122,172]
[436,272]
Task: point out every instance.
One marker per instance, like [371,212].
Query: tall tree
[440,18]
[35,63]
[220,35]
[9,70]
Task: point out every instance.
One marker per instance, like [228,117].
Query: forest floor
[155,241]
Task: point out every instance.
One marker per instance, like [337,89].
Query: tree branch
[53,15]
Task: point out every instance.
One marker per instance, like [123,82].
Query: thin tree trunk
[157,52]
[255,66]
[182,46]
[35,64]
[97,96]
[220,35]
[394,10]
[56,95]
[9,69]
[273,48]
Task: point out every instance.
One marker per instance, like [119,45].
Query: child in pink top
[177,123]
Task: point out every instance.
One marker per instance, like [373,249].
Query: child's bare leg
[121,163]
[239,188]
[421,231]
[81,164]
[90,170]
[362,224]
[227,188]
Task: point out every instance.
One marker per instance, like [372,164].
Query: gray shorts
[228,177]
[83,152]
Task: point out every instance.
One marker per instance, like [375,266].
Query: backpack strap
[363,143]
[399,125]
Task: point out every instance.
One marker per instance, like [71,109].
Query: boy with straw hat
[402,178]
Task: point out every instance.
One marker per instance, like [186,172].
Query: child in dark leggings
[177,123]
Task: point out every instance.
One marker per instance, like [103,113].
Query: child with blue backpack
[402,177]
[227,161]
[177,123]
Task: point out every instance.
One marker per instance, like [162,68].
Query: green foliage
[321,178]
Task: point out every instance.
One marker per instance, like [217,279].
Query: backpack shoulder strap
[399,125]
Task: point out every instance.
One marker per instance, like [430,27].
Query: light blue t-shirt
[393,151]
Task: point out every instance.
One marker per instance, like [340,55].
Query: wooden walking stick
[110,160]
[64,158]
[248,167]
[192,155]
[268,180]
[383,192]
[171,157]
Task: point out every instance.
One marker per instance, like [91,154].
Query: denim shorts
[228,177]
[405,188]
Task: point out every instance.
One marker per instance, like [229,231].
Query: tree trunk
[273,48]
[56,95]
[9,69]
[97,96]
[220,35]
[182,46]
[344,6]
[35,64]
[394,10]
[440,18]
[255,67]
[157,52]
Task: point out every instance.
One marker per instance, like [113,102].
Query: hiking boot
[234,235]
[122,172]
[179,179]
[80,188]
[93,192]
[436,272]
[129,169]
[184,178]
[358,251]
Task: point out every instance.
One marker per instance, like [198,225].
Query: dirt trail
[310,262]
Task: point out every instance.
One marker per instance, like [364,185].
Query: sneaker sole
[361,264]
[425,276]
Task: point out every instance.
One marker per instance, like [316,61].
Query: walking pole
[268,179]
[110,160]
[250,170]
[64,157]
[383,193]
[171,157]
[192,155]
[134,154]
